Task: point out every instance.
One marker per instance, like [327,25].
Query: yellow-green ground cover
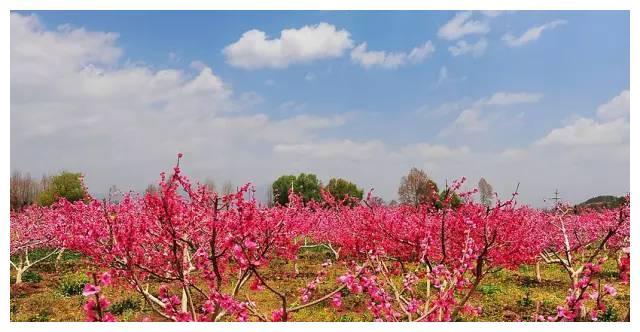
[50,294]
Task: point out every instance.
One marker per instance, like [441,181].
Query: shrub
[31,276]
[345,318]
[42,316]
[526,301]
[119,307]
[609,315]
[72,286]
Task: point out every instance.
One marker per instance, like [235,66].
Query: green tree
[305,185]
[64,185]
[455,199]
[341,188]
[280,188]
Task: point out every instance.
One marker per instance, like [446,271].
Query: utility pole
[556,198]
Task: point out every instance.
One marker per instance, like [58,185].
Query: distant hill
[603,201]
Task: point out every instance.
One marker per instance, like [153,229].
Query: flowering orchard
[193,255]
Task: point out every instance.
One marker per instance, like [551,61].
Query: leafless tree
[227,188]
[24,189]
[486,192]
[210,185]
[115,195]
[417,188]
[151,189]
[269,196]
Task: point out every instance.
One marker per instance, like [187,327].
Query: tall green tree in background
[65,184]
[305,185]
[341,188]
[280,188]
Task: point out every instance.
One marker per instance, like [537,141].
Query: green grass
[72,284]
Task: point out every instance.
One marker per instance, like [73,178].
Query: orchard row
[204,248]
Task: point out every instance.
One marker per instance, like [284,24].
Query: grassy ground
[47,295]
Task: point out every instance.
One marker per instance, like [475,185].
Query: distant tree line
[415,188]
[26,190]
[603,201]
[308,187]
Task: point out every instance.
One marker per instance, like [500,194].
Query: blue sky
[454,98]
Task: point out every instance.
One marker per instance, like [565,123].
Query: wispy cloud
[462,48]
[472,118]
[390,60]
[531,34]
[461,25]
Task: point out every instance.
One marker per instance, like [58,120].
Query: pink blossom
[250,245]
[277,315]
[90,289]
[336,300]
[105,279]
[610,290]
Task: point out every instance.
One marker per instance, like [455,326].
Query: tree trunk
[58,259]
[538,276]
[19,273]
[574,278]
[185,301]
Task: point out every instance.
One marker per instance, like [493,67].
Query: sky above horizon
[539,98]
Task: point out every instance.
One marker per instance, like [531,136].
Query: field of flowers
[186,253]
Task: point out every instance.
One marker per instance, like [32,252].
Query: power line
[556,198]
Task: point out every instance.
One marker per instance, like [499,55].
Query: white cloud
[41,58]
[442,109]
[312,42]
[461,25]
[344,149]
[469,121]
[587,132]
[610,129]
[390,60]
[462,48]
[77,105]
[472,118]
[436,152]
[418,54]
[584,158]
[531,34]
[122,124]
[616,108]
[513,98]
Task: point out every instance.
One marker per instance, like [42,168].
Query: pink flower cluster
[96,307]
